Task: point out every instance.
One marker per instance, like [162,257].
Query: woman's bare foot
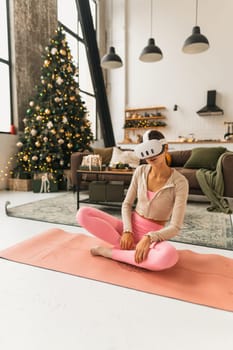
[102,251]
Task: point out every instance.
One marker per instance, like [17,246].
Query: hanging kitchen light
[111,60]
[151,53]
[196,42]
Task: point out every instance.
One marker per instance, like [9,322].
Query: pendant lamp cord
[196,12]
[110,25]
[151,17]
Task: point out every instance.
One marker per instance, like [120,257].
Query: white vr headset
[149,148]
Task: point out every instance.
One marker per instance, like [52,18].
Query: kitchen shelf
[147,127]
[145,118]
[143,109]
[138,120]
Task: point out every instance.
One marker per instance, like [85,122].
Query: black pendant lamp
[151,53]
[111,60]
[196,42]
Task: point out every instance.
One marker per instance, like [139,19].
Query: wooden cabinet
[138,120]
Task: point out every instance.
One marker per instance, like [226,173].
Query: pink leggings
[161,255]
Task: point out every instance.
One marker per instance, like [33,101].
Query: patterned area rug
[200,226]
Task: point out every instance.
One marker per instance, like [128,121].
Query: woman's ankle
[102,251]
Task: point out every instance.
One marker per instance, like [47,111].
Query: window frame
[81,40]
[8,62]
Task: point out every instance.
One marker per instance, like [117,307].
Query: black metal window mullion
[96,71]
[4,61]
[76,36]
[87,93]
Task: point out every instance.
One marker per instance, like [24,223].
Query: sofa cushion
[125,157]
[190,175]
[105,153]
[204,157]
[179,158]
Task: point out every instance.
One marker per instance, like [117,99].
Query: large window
[68,17]
[5,69]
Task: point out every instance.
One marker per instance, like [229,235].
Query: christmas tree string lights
[56,123]
[6,171]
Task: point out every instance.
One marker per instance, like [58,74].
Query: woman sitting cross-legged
[161,193]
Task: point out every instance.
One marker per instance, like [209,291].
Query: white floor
[41,309]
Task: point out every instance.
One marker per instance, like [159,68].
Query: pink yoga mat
[205,279]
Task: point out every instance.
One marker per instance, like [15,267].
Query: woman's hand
[127,241]
[142,249]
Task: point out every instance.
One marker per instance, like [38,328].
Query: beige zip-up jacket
[168,204]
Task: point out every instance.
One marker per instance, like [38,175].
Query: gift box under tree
[44,183]
[19,184]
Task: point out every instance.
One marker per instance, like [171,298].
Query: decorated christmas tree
[56,122]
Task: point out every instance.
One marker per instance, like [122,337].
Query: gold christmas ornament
[61,131]
[37,143]
[34,158]
[31,103]
[37,108]
[25,158]
[48,159]
[46,63]
[47,111]
[62,52]
[53,131]
[72,98]
[69,145]
[60,141]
